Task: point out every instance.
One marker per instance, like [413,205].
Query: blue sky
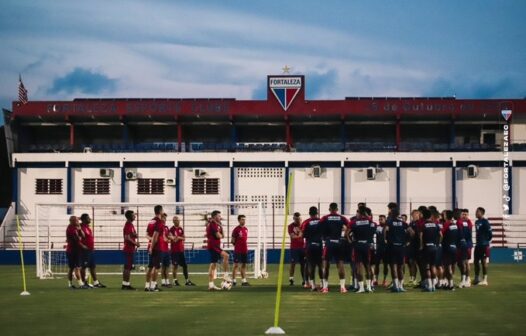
[131,48]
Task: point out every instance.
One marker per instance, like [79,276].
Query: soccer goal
[107,222]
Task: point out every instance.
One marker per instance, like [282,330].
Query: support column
[179,136]
[453,186]
[452,134]
[343,136]
[123,184]
[288,134]
[177,184]
[342,200]
[398,134]
[14,189]
[233,136]
[232,187]
[398,183]
[71,135]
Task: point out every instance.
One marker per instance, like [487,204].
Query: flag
[22,92]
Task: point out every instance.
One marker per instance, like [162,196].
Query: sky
[210,49]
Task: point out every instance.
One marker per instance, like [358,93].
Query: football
[226,285]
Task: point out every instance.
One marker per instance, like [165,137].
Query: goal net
[107,222]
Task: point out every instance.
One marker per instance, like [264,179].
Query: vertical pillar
[288,134]
[179,136]
[177,184]
[71,135]
[398,134]
[233,136]
[398,184]
[343,137]
[232,186]
[342,201]
[14,189]
[453,186]
[452,134]
[123,184]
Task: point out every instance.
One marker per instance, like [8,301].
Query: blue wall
[12,257]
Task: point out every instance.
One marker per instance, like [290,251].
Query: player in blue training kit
[380,253]
[395,235]
[312,233]
[362,230]
[484,236]
[430,238]
[333,225]
[450,243]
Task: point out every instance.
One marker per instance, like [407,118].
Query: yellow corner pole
[20,246]
[282,255]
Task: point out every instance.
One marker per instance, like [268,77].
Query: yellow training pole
[276,329]
[25,292]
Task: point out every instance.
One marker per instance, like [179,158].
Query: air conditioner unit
[105,172]
[371,173]
[315,171]
[170,182]
[199,173]
[473,171]
[131,174]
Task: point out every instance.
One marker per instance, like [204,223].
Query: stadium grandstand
[442,151]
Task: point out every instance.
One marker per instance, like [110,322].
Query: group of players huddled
[432,243]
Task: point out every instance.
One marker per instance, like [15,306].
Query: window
[205,186]
[48,186]
[96,186]
[150,186]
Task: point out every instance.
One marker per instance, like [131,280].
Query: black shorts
[380,255]
[73,259]
[410,252]
[215,255]
[165,259]
[128,260]
[240,258]
[439,257]
[362,253]
[449,254]
[397,254]
[314,253]
[87,259]
[430,255]
[178,259]
[481,252]
[347,249]
[154,259]
[334,251]
[297,255]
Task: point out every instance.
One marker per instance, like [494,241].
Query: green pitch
[52,309]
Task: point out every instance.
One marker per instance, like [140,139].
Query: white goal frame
[44,248]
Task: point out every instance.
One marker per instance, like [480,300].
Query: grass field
[52,309]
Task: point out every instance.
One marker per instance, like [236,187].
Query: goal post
[107,221]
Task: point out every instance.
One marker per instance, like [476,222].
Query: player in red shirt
[239,240]
[130,245]
[297,249]
[178,258]
[214,233]
[156,229]
[164,246]
[87,257]
[465,227]
[73,247]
